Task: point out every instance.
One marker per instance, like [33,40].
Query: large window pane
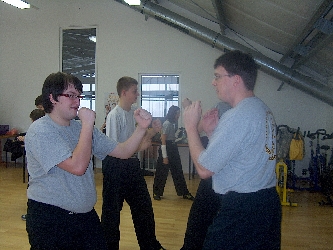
[159,92]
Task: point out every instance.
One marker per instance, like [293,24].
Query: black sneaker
[157,197]
[188,197]
[24,217]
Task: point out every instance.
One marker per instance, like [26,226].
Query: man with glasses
[62,192]
[240,158]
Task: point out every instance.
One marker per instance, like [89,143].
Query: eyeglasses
[216,77]
[72,97]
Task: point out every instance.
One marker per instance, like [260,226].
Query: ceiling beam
[220,15]
[293,51]
[322,44]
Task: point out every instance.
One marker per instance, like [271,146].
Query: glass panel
[78,58]
[159,92]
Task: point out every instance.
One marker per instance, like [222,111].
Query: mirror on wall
[78,53]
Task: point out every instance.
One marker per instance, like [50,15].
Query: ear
[123,92]
[237,80]
[52,99]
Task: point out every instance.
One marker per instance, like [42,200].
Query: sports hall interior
[130,43]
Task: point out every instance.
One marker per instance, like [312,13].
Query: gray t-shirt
[47,144]
[120,124]
[169,129]
[242,149]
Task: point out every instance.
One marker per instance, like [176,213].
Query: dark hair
[239,63]
[171,115]
[39,100]
[125,83]
[56,84]
[36,114]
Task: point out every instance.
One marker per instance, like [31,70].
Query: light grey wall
[127,44]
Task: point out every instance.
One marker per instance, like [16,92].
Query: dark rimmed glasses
[72,97]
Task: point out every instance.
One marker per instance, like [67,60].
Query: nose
[77,100]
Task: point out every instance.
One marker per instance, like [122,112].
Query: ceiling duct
[268,65]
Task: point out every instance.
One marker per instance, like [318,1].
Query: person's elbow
[204,173]
[78,169]
[121,152]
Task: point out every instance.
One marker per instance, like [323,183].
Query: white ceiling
[298,32]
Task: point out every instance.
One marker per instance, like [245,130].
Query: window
[159,92]
[88,100]
[78,58]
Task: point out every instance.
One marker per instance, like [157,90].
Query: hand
[145,143]
[87,116]
[166,161]
[156,125]
[20,138]
[186,102]
[192,115]
[209,121]
[143,118]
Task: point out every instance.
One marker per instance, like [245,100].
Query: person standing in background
[34,115]
[206,203]
[169,159]
[39,102]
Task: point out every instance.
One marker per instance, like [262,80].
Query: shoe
[157,197]
[188,197]
[24,217]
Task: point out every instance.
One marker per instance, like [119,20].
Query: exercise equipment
[281,170]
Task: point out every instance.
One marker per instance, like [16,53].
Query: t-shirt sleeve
[102,144]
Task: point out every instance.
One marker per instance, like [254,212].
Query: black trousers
[124,180]
[53,228]
[249,221]
[175,166]
[203,210]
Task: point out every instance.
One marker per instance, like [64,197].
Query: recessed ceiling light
[133,2]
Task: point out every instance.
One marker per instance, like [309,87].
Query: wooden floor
[307,226]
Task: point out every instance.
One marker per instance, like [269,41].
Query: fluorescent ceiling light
[17,3]
[133,2]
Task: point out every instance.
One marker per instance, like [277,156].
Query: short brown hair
[125,83]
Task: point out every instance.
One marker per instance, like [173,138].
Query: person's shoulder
[41,122]
[41,125]
[116,110]
[254,107]
[166,122]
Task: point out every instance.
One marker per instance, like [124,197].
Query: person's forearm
[79,162]
[126,149]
